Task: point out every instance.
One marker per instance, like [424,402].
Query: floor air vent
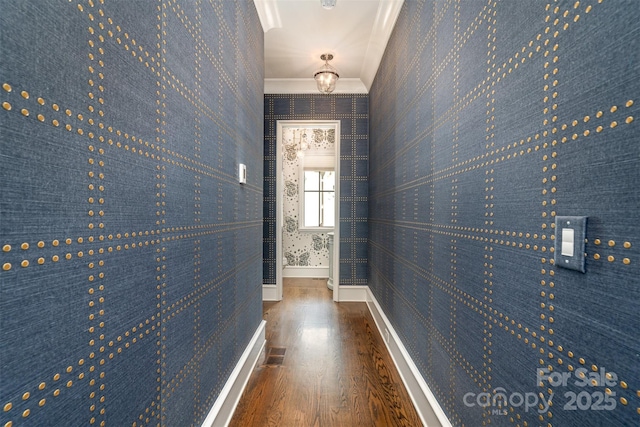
[275,356]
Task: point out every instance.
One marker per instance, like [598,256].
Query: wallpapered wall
[302,248]
[488,119]
[130,281]
[353,113]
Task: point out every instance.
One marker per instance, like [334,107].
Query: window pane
[311,180]
[328,208]
[328,180]
[311,209]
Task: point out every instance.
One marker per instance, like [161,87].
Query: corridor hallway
[324,364]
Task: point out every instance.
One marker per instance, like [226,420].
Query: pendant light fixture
[327,76]
[328,4]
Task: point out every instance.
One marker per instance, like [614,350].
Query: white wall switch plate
[569,243]
[242,173]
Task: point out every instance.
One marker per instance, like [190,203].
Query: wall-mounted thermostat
[242,173]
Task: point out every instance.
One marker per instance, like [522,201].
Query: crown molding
[386,18]
[308,86]
[268,13]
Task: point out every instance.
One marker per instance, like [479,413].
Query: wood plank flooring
[324,365]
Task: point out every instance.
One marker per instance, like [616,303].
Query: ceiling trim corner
[268,13]
[386,18]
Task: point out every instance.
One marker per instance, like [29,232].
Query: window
[318,199]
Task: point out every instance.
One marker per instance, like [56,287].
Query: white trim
[269,293]
[268,13]
[423,399]
[336,231]
[309,86]
[386,17]
[335,124]
[225,405]
[353,293]
[306,271]
[279,213]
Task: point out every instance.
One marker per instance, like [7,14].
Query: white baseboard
[305,271]
[225,405]
[353,293]
[425,402]
[269,293]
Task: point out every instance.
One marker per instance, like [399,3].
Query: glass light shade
[326,78]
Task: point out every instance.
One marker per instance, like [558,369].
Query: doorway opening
[310,152]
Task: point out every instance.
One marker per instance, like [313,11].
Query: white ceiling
[297,32]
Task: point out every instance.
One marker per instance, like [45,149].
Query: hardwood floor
[324,364]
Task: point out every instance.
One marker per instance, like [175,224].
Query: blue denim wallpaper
[488,119]
[353,113]
[131,259]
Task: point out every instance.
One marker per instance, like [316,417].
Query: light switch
[242,173]
[569,242]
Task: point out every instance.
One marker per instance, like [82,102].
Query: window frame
[320,162]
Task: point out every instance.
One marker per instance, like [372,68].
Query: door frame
[280,125]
